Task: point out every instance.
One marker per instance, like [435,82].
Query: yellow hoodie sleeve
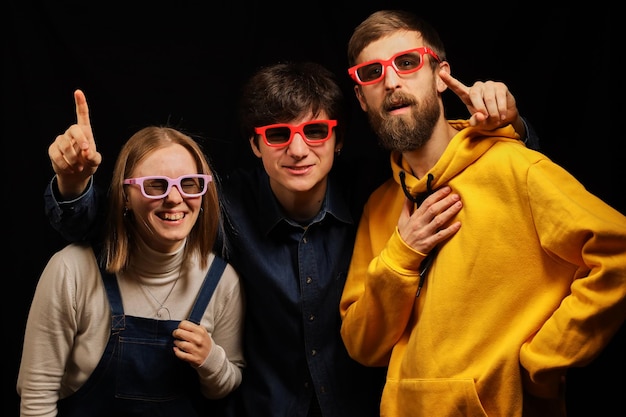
[591,235]
[380,291]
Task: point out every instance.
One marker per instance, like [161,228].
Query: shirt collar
[335,206]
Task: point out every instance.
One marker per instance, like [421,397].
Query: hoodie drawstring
[418,200]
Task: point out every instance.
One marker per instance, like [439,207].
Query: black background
[183,64]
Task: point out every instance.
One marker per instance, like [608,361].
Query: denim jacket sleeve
[76,219]
[531,140]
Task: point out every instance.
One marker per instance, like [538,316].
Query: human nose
[390,77]
[298,147]
[174,195]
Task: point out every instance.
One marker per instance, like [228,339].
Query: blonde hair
[120,229]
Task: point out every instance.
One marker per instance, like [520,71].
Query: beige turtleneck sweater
[69,321]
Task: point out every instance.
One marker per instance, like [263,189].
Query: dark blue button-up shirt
[294,275]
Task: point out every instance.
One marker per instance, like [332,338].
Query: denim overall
[139,374]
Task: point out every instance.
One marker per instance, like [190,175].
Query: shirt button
[311,317]
[313,352]
[309,280]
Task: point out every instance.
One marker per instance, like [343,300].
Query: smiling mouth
[172,216]
[297,168]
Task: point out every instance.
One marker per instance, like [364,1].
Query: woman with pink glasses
[130,326]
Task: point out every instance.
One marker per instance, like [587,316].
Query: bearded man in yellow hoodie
[482,270]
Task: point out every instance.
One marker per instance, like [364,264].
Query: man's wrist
[69,198]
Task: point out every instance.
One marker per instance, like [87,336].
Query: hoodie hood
[464,148]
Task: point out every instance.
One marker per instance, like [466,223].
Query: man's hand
[429,224]
[73,154]
[490,103]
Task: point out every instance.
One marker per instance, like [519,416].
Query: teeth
[171,216]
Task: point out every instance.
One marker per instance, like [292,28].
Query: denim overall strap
[113,293]
[208,286]
[115,300]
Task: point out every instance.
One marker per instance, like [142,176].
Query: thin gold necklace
[161,310]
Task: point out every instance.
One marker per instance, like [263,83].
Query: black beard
[400,134]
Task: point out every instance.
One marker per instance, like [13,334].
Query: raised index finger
[82,110]
[455,85]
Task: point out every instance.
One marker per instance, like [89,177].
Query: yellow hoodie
[533,283]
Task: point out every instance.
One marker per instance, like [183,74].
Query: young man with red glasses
[291,222]
[481,270]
